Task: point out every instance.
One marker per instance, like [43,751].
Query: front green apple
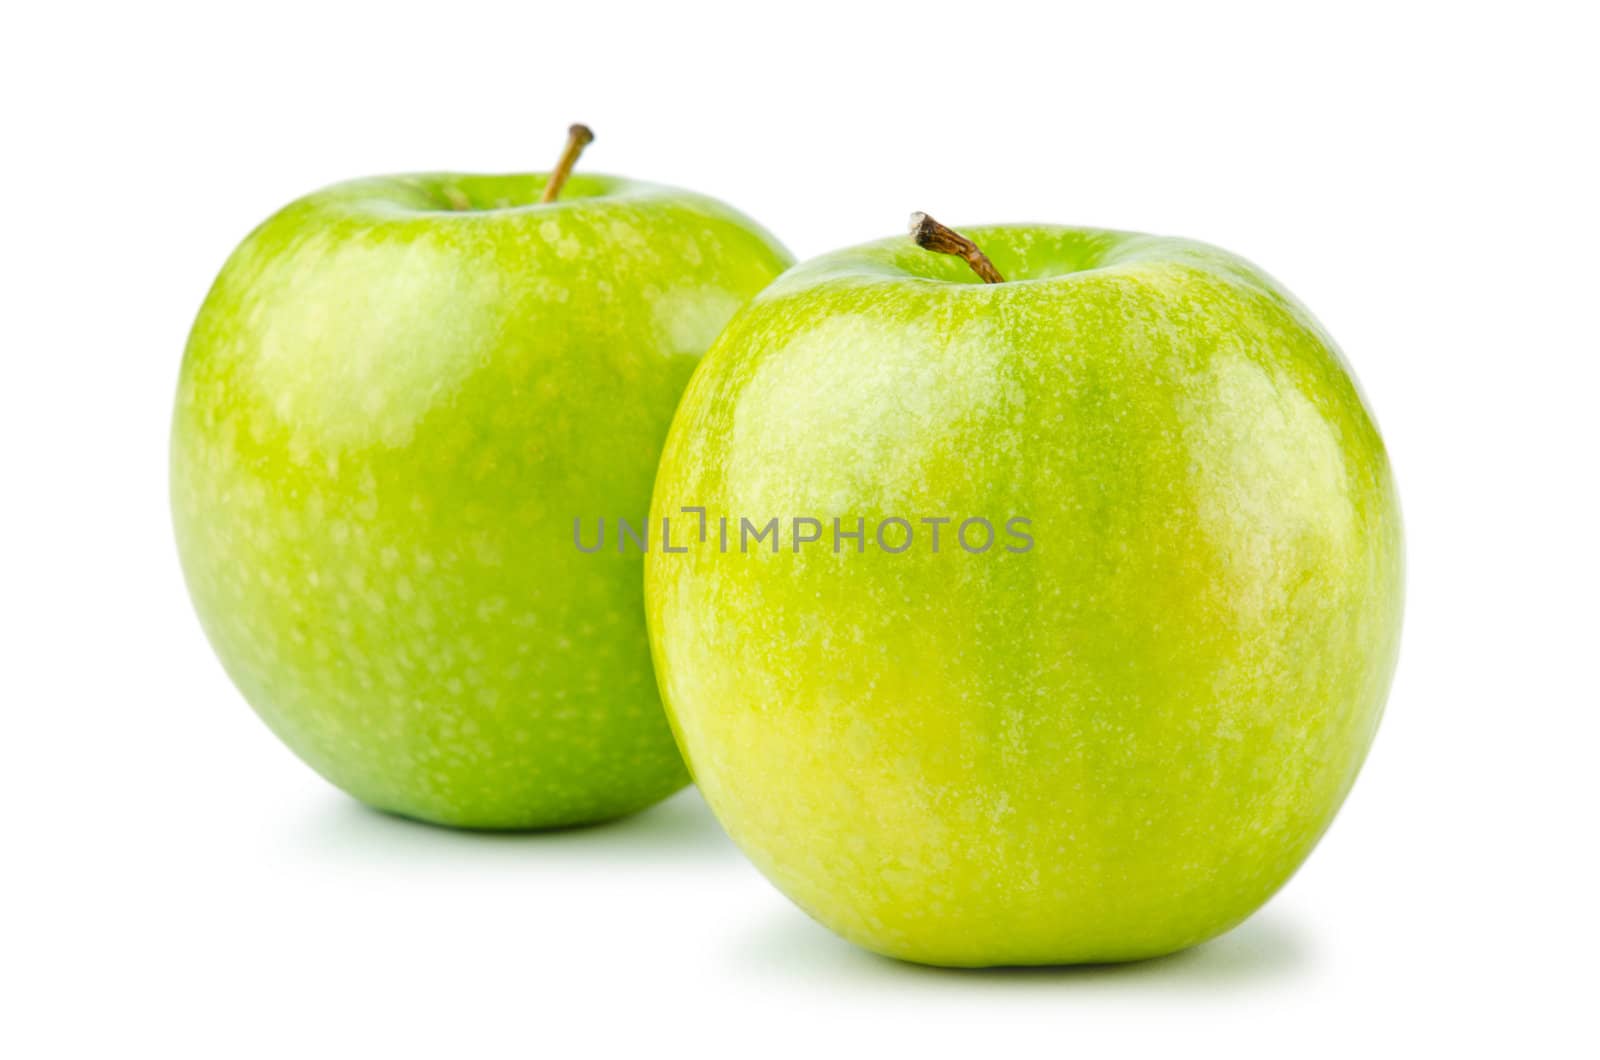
[395,401]
[1106,728]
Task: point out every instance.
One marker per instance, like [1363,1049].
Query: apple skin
[1112,746]
[390,413]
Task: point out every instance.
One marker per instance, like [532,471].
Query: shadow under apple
[1265,949]
[680,829]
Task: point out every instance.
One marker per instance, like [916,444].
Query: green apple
[397,397]
[1112,724]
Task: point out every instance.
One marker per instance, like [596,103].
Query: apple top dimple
[1026,255]
[476,194]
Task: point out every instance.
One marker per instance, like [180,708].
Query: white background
[1424,177]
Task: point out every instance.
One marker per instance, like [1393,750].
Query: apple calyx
[931,235]
[578,137]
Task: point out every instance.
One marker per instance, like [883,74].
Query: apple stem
[578,137]
[931,235]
